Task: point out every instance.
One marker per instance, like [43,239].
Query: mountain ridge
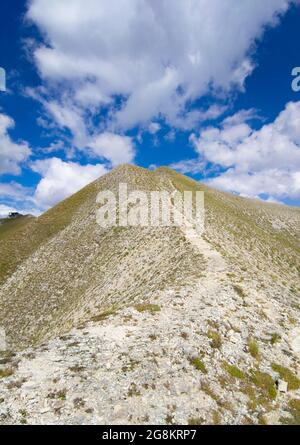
[154,325]
[77,215]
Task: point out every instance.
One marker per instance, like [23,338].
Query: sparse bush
[153,337]
[287,375]
[6,373]
[199,365]
[216,417]
[275,338]
[253,348]
[196,421]
[78,403]
[148,308]
[234,371]
[104,315]
[239,290]
[294,410]
[265,383]
[61,394]
[216,341]
[133,391]
[76,368]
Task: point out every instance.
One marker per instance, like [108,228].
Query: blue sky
[202,86]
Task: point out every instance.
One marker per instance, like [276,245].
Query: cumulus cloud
[61,179]
[264,161]
[11,154]
[141,59]
[118,149]
[112,147]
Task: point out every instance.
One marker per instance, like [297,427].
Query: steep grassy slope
[9,226]
[18,244]
[12,237]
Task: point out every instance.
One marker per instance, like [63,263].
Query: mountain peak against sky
[116,316]
[91,85]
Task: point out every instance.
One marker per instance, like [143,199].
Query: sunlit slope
[262,240]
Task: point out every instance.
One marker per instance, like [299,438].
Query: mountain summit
[209,322]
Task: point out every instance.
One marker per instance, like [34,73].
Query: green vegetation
[216,341]
[147,308]
[253,348]
[29,233]
[78,402]
[75,259]
[6,373]
[10,226]
[196,421]
[76,369]
[265,383]
[294,410]
[199,365]
[234,371]
[6,357]
[153,337]
[24,415]
[275,338]
[104,314]
[287,375]
[216,417]
[239,290]
[61,394]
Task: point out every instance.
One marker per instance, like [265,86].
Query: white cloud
[158,56]
[273,182]
[118,149]
[11,154]
[14,190]
[5,210]
[193,166]
[115,148]
[67,116]
[61,179]
[265,161]
[154,127]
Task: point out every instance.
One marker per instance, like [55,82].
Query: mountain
[152,324]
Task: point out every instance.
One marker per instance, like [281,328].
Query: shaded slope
[19,244]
